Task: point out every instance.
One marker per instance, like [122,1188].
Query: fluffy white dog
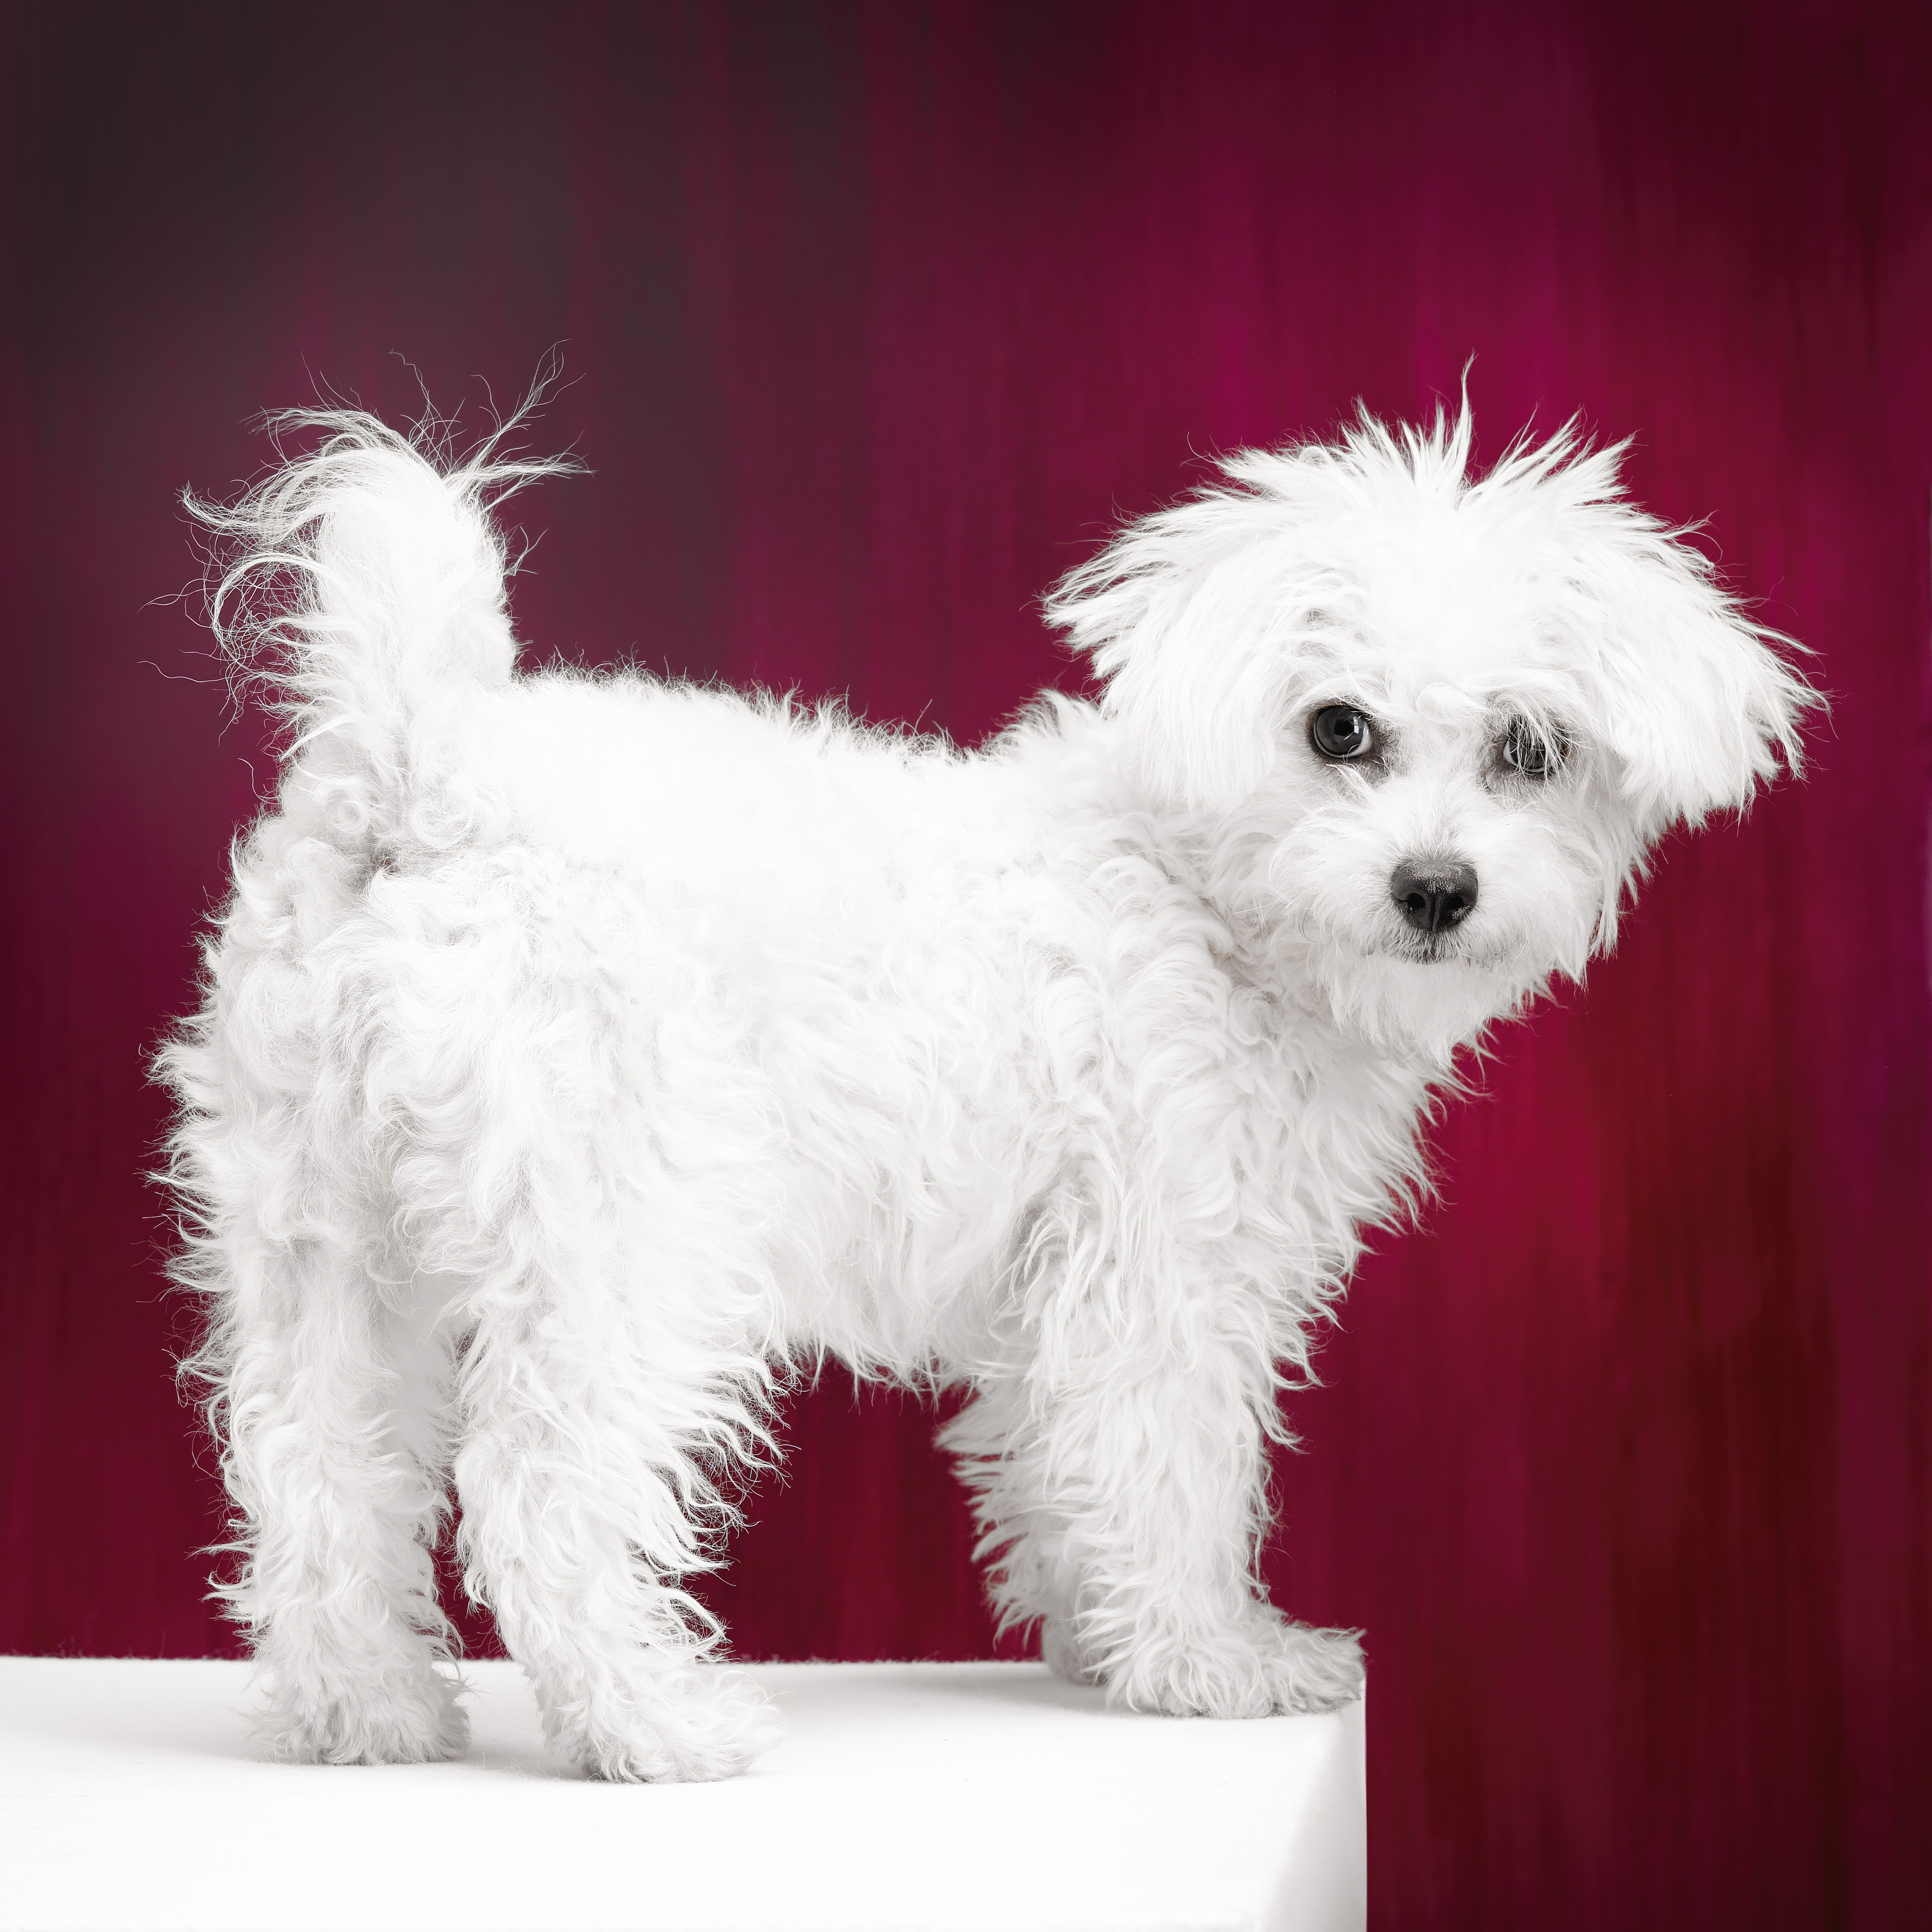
[579,1051]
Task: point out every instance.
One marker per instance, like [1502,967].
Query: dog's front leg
[1122,1478]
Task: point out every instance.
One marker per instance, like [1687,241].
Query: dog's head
[1427,725]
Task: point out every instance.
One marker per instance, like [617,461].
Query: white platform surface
[920,1798]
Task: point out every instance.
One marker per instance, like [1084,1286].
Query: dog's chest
[1320,1142]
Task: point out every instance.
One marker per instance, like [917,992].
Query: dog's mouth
[1494,950]
[1445,949]
[1430,949]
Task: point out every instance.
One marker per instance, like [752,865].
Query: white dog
[578,1052]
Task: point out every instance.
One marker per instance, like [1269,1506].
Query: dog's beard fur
[576,1052]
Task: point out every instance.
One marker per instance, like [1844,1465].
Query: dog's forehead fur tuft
[1383,562]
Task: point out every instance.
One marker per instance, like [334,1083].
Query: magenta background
[874,317]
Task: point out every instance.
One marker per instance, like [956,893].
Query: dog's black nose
[1436,895]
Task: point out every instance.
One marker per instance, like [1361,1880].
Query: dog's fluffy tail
[362,587]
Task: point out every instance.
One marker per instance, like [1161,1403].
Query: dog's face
[1427,727]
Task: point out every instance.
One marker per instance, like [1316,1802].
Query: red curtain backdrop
[873,318]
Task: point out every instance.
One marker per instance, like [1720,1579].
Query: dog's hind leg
[334,1443]
[327,1404]
[324,1388]
[604,1384]
[579,1477]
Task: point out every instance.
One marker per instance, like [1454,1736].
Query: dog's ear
[1192,618]
[1698,705]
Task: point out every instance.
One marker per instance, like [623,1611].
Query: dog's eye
[1527,750]
[1340,732]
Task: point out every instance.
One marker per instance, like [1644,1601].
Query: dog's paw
[1065,1655]
[414,1719]
[692,1725]
[1315,1670]
[1254,1669]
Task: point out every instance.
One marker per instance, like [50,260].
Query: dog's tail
[362,587]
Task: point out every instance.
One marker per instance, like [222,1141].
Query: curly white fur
[577,1051]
